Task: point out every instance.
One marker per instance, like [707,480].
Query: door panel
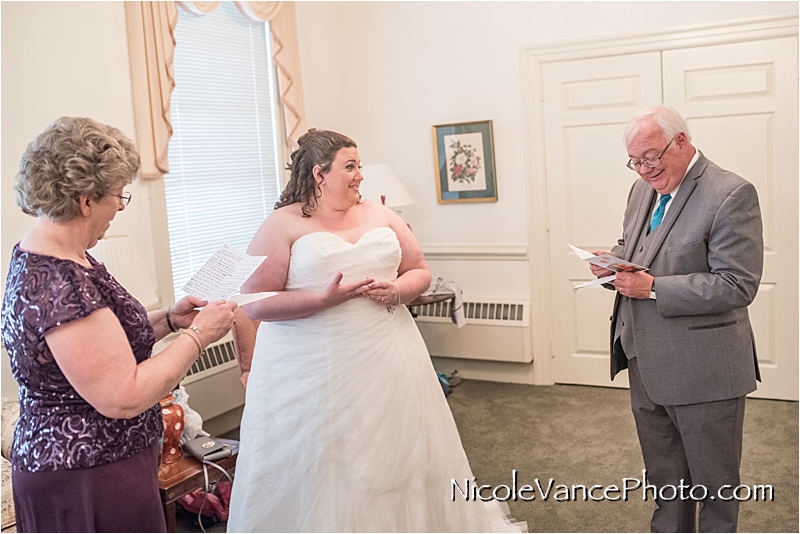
[587,103]
[740,101]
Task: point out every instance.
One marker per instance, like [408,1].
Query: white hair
[669,121]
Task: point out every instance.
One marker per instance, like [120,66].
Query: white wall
[385,72]
[63,58]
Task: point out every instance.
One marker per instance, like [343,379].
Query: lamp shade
[121,257]
[381,181]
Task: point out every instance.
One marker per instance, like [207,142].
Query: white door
[586,105]
[740,101]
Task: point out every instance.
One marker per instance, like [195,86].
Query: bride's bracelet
[391,307]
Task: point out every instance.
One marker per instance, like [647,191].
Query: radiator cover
[496,330]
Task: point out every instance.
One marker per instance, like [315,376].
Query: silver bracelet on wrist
[391,307]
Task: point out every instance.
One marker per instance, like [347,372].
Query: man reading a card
[681,328]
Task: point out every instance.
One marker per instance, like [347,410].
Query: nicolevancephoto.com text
[472,491]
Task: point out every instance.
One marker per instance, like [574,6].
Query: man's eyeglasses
[126,198]
[649,162]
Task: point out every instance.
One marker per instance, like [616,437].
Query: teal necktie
[659,213]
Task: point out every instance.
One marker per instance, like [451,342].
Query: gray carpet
[586,435]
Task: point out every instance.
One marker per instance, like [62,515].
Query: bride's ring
[381,298]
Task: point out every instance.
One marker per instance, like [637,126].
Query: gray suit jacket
[694,343]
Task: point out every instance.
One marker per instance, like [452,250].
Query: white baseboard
[512,373]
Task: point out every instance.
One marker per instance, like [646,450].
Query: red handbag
[215,504]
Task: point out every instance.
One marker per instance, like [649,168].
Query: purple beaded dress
[75,470]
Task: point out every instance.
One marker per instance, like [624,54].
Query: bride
[345,427]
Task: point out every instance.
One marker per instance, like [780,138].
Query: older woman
[85,450]
[345,428]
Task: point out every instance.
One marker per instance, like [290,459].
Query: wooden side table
[185,475]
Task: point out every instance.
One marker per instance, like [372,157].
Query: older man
[682,328]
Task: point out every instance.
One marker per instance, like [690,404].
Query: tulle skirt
[346,429]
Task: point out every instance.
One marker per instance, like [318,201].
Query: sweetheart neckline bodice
[317,257]
[340,238]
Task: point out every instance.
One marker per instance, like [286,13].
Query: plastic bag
[192,421]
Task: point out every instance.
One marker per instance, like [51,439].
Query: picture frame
[464,158]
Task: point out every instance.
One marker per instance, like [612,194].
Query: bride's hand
[337,292]
[385,292]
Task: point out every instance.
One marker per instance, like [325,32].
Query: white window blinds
[223,178]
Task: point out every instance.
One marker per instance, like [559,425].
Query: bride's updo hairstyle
[316,147]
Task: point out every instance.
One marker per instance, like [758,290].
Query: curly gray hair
[73,156]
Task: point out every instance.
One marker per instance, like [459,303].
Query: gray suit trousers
[690,445]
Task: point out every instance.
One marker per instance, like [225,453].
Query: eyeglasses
[648,162]
[126,198]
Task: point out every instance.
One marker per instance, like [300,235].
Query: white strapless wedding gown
[346,428]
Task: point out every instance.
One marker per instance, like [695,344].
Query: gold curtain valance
[253,11]
[151,45]
[199,8]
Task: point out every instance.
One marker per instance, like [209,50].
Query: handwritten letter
[223,274]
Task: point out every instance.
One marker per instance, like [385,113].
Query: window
[223,155]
